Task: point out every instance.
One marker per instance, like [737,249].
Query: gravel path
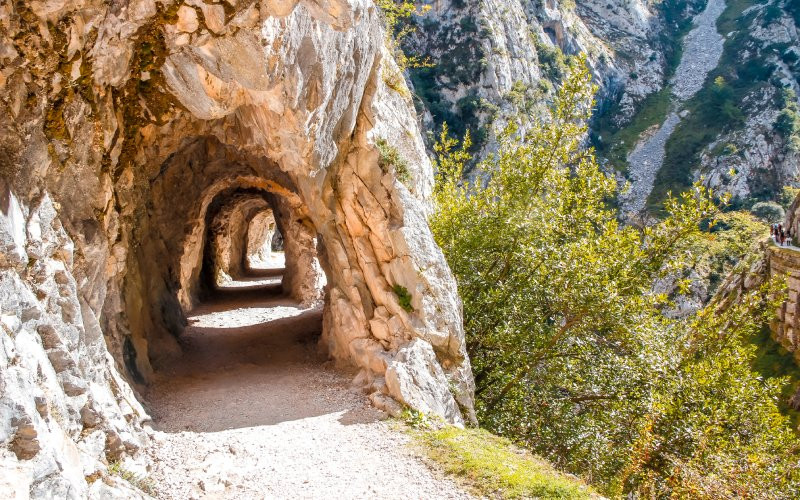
[702,48]
[251,411]
[645,161]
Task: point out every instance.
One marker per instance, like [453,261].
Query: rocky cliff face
[496,61]
[753,157]
[499,61]
[138,141]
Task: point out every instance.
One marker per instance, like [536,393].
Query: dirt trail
[252,411]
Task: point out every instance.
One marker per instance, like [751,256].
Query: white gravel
[645,161]
[702,48]
[252,412]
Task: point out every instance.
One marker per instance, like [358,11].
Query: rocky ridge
[496,61]
[752,158]
[702,48]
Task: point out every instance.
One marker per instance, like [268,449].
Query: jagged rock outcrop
[127,128]
[499,60]
[754,158]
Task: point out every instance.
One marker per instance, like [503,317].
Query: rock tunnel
[151,156]
[294,139]
[210,211]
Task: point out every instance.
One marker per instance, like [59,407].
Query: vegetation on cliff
[573,354]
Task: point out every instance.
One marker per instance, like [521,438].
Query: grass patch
[144,484]
[494,467]
[615,144]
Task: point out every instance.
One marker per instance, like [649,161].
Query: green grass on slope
[492,466]
[615,144]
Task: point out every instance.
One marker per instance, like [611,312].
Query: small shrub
[787,196]
[390,159]
[142,483]
[768,211]
[403,297]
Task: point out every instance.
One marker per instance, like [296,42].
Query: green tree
[570,348]
[788,120]
[769,211]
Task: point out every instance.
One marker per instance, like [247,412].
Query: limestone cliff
[139,137]
[495,61]
[498,61]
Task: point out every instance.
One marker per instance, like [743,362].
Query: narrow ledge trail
[252,411]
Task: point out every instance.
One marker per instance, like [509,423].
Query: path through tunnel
[248,389]
[231,262]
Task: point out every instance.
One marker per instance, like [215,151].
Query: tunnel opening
[206,235]
[351,234]
[232,252]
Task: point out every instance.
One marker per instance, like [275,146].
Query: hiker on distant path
[772,230]
[781,235]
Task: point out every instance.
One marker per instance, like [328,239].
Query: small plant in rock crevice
[416,419]
[144,484]
[403,297]
[390,159]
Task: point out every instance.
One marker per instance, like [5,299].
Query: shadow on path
[250,358]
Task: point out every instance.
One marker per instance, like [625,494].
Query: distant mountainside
[738,128]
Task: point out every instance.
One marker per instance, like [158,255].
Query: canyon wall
[124,125]
[495,62]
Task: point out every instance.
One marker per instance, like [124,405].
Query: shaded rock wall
[229,234]
[259,238]
[123,123]
[786,262]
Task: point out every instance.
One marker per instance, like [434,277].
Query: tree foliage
[769,211]
[396,14]
[571,351]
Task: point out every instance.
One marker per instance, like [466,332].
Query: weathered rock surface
[126,127]
[498,60]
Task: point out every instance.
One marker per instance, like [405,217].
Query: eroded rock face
[260,232]
[124,125]
[495,60]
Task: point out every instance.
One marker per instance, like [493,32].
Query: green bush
[572,353]
[390,160]
[403,297]
[788,195]
[769,211]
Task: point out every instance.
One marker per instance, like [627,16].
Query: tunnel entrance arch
[255,109]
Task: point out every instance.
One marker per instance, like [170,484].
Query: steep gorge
[496,63]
